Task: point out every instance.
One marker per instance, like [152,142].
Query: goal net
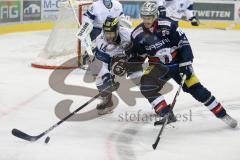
[63,50]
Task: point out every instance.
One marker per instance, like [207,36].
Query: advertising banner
[16,11]
[31,10]
[214,11]
[50,9]
[10,11]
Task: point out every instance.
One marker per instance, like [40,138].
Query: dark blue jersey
[164,37]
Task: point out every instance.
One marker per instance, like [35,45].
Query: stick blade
[156,143]
[24,136]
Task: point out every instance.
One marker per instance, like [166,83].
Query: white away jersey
[112,49]
[177,8]
[105,50]
[98,13]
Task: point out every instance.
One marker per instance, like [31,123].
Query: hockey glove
[119,64]
[194,21]
[186,68]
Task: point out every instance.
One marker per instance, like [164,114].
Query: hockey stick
[231,26]
[212,27]
[28,137]
[171,108]
[74,12]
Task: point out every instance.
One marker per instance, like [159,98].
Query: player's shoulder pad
[167,24]
[100,36]
[164,22]
[96,4]
[117,3]
[117,6]
[125,34]
[100,39]
[137,32]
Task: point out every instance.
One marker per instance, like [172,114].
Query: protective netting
[62,44]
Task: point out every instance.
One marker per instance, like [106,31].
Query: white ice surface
[28,103]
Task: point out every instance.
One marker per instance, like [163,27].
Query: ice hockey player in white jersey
[111,46]
[98,13]
[177,10]
[94,18]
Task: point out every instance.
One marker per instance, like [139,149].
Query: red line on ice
[22,104]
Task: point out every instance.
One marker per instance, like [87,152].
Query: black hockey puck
[47,139]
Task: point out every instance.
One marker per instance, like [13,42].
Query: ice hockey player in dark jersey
[170,55]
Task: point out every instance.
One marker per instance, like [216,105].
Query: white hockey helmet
[149,9]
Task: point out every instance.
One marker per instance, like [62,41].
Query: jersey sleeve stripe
[89,15]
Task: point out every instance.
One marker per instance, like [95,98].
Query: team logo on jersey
[165,32]
[157,45]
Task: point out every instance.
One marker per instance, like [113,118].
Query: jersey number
[180,32]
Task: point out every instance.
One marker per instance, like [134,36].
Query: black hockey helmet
[111,29]
[111,24]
